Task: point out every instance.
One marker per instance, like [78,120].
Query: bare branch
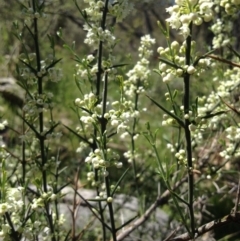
[230,218]
[163,199]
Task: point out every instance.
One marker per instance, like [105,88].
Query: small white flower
[191,69]
[192,127]
[119,165]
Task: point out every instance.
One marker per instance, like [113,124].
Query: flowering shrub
[192,156]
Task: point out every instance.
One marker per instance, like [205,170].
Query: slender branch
[104,146]
[237,198]
[134,125]
[41,119]
[231,218]
[223,60]
[160,201]
[98,90]
[186,104]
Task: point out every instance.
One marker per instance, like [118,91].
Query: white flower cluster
[229,82]
[122,114]
[45,197]
[231,6]
[88,102]
[117,117]
[94,13]
[138,77]
[52,74]
[222,30]
[3,125]
[37,104]
[84,71]
[168,121]
[191,116]
[13,205]
[103,158]
[120,9]
[176,54]
[186,11]
[28,13]
[37,228]
[55,74]
[232,138]
[96,34]
[13,202]
[181,156]
[130,156]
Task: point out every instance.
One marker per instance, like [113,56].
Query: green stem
[101,209]
[104,96]
[186,103]
[23,153]
[41,121]
[15,236]
[133,143]
[104,146]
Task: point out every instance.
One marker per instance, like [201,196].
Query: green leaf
[118,65]
[214,114]
[73,46]
[77,59]
[119,181]
[53,64]
[175,93]
[97,199]
[157,71]
[32,128]
[62,170]
[51,129]
[67,47]
[22,5]
[172,100]
[29,66]
[168,63]
[203,57]
[65,185]
[29,30]
[126,223]
[234,51]
[170,170]
[164,31]
[38,182]
[179,121]
[196,105]
[51,40]
[80,137]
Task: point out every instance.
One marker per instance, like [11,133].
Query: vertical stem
[40,91]
[186,103]
[41,122]
[98,90]
[23,152]
[103,129]
[133,142]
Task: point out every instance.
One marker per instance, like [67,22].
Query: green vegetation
[119,98]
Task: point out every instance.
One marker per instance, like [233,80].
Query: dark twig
[230,218]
